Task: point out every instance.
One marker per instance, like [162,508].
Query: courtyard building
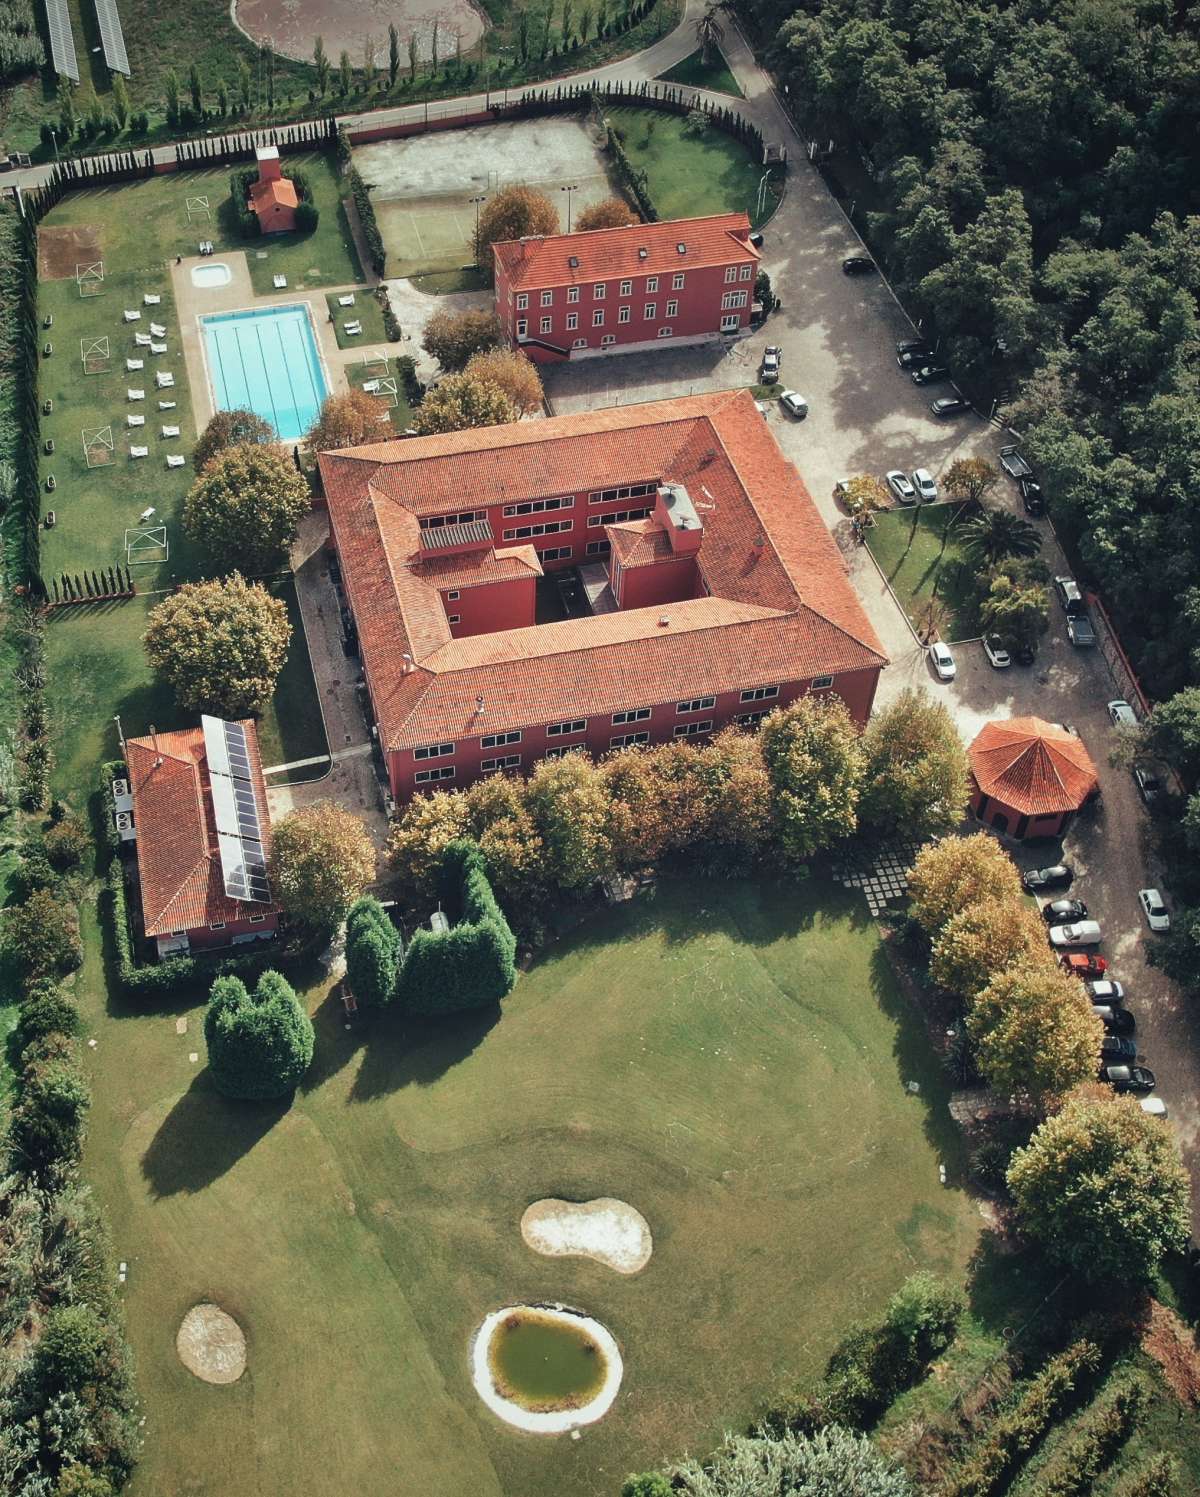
[1029,778]
[699,585]
[564,296]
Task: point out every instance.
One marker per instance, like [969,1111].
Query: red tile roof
[605,254]
[476,568]
[179,866]
[1036,768]
[780,606]
[277,192]
[640,543]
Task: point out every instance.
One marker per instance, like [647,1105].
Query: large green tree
[460,401]
[259,1044]
[245,509]
[815,762]
[373,952]
[948,875]
[40,938]
[915,773]
[321,861]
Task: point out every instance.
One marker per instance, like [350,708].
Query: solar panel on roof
[62,39]
[236,811]
[215,751]
[112,37]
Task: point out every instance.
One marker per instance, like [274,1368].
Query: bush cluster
[21,50]
[259,1044]
[1093,1444]
[366,218]
[373,953]
[307,213]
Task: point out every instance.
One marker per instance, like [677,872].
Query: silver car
[923,482]
[900,486]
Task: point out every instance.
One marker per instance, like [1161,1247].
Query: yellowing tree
[1035,1031]
[418,837]
[915,778]
[984,938]
[512,213]
[609,213]
[950,874]
[321,861]
[815,762]
[460,401]
[454,337]
[569,803]
[348,420]
[510,372]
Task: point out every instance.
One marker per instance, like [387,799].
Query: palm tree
[710,33]
[995,534]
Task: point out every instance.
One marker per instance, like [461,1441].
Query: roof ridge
[204,861]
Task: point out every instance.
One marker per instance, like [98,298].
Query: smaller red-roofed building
[183,882]
[689,280]
[1029,778]
[273,198]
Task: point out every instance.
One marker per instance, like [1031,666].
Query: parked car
[901,486]
[1118,1047]
[794,404]
[1154,910]
[1149,786]
[1032,498]
[1056,876]
[1014,463]
[914,345]
[930,374]
[1064,911]
[1105,990]
[1122,714]
[858,265]
[926,487]
[1155,1106]
[1128,1078]
[756,240]
[1081,631]
[1069,595]
[943,661]
[1115,1020]
[951,405]
[1025,654]
[998,656]
[772,362]
[914,355]
[1082,933]
[1084,964]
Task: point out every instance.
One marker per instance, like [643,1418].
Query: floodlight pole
[570,191]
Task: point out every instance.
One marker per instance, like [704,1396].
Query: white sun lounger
[371,387]
[157,330]
[175,460]
[164,381]
[132,420]
[143,340]
[135,363]
[166,405]
[346,301]
[158,348]
[136,394]
[134,316]
[170,431]
[150,300]
[351,329]
[139,452]
[280,282]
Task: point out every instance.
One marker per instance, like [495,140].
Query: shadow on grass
[203,1137]
[402,1051]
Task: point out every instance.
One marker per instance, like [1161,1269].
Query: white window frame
[749,719]
[257,919]
[538,506]
[651,310]
[628,740]
[572,321]
[598,317]
[433,776]
[677,281]
[580,343]
[608,340]
[733,299]
[599,548]
[651,285]
[666,332]
[216,925]
[528,532]
[634,715]
[672,309]
[626,288]
[454,618]
[572,293]
[599,291]
[546,324]
[747,273]
[562,749]
[452,595]
[434,751]
[547,298]
[522,327]
[820,683]
[500,740]
[730,322]
[624,314]
[731,274]
[697,704]
[759,694]
[522,301]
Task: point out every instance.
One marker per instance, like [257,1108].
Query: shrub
[833,1462]
[308,215]
[67,843]
[47,1124]
[46,1013]
[373,953]
[1091,1447]
[366,218]
[40,938]
[259,1044]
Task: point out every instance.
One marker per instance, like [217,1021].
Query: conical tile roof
[1036,768]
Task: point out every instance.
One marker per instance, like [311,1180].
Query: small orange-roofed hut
[1029,778]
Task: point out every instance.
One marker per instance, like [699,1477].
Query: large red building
[714,591]
[574,295]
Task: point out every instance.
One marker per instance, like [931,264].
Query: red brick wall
[493,607]
[665,582]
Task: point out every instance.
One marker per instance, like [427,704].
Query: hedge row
[633,180]
[1094,1444]
[366,218]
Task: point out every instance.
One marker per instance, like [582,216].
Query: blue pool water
[266,361]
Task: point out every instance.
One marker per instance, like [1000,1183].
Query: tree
[915,770]
[948,875]
[569,803]
[649,1484]
[321,861]
[1173,732]
[1101,1186]
[412,57]
[459,401]
[46,1128]
[373,951]
[511,373]
[864,495]
[984,939]
[996,534]
[321,63]
[230,429]
[417,838]
[172,90]
[246,507]
[245,82]
[833,1462]
[1035,1031]
[697,122]
[195,90]
[219,645]
[66,109]
[80,1481]
[120,100]
[609,213]
[453,337]
[345,76]
[40,938]
[968,479]
[259,1044]
[393,55]
[1016,610]
[498,819]
[70,1350]
[710,34]
[815,763]
[348,420]
[512,213]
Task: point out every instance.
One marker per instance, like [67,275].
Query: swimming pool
[266,361]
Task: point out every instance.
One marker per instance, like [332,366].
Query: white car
[1155,1106]
[1082,933]
[1154,910]
[794,403]
[1122,714]
[900,486]
[943,661]
[1108,994]
[923,483]
[998,656]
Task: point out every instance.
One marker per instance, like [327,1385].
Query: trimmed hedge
[1093,1445]
[373,953]
[366,218]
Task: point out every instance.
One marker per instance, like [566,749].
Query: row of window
[538,506]
[625,288]
[733,299]
[618,517]
[220,924]
[547,527]
[626,491]
[435,522]
[542,506]
[624,316]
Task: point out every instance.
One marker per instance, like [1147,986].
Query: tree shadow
[407,1051]
[203,1137]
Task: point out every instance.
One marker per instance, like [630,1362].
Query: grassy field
[916,563]
[690,175]
[732,1059]
[694,72]
[366,310]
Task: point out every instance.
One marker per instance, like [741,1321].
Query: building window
[731,274]
[677,282]
[536,506]
[598,317]
[697,704]
[257,919]
[523,302]
[454,618]
[522,327]
[730,322]
[434,522]
[599,548]
[651,284]
[494,766]
[693,730]
[634,715]
[560,730]
[626,288]
[750,719]
[624,314]
[608,340]
[579,343]
[565,748]
[626,491]
[546,324]
[216,925]
[650,309]
[452,596]
[572,293]
[547,298]
[434,751]
[821,683]
[618,517]
[526,532]
[598,291]
[555,553]
[572,321]
[627,740]
[427,776]
[747,272]
[666,332]
[760,694]
[672,309]
[498,740]
[733,299]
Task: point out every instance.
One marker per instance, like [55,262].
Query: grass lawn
[97,669]
[690,175]
[730,1058]
[365,310]
[915,562]
[696,73]
[442,282]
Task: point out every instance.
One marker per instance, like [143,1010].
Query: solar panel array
[62,40]
[112,37]
[239,816]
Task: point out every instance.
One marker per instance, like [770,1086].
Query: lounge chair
[134,316]
[142,340]
[175,460]
[132,420]
[157,330]
[158,348]
[132,364]
[164,381]
[150,300]
[139,452]
[280,282]
[346,301]
[136,394]
[371,387]
[170,431]
[352,329]
[166,405]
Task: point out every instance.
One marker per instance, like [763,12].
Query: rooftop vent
[643,252]
[681,247]
[663,620]
[573,261]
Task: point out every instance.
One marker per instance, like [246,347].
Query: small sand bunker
[607,1230]
[211,1345]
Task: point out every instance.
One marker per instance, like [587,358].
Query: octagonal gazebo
[1029,778]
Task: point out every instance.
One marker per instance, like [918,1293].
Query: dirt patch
[292,26]
[60,250]
[211,1345]
[606,1230]
[1173,1347]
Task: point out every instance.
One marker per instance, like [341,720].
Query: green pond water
[544,1364]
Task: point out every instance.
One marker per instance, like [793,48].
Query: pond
[544,1362]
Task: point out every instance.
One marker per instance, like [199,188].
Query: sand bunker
[558,1421]
[606,1230]
[211,1345]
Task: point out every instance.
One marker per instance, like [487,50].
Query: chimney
[154,740]
[408,662]
[478,704]
[269,167]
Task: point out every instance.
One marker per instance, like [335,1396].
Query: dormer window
[573,261]
[681,248]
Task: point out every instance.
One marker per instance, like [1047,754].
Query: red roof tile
[277,192]
[475,568]
[604,254]
[1037,768]
[640,543]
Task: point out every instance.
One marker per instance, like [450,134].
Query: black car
[930,374]
[1032,498]
[1128,1078]
[1024,654]
[756,240]
[858,265]
[914,358]
[1117,1049]
[951,405]
[1115,1020]
[914,345]
[1057,876]
[1064,911]
[1148,784]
